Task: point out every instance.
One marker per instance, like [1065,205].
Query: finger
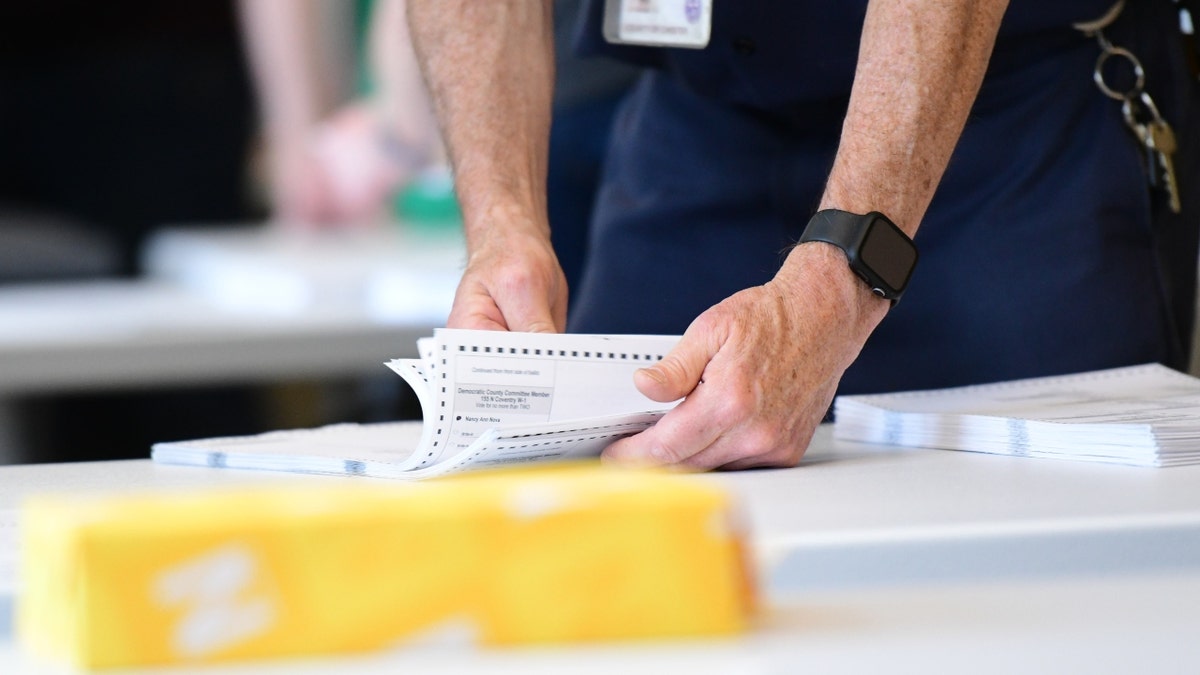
[474,321]
[684,431]
[759,443]
[732,452]
[527,307]
[531,319]
[678,373]
[474,310]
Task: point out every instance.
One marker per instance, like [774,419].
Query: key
[1153,170]
[1160,141]
[1135,112]
[1158,138]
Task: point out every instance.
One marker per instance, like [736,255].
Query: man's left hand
[758,371]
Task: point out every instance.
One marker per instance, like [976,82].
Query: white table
[132,334]
[855,515]
[232,306]
[882,558]
[1132,624]
[229,306]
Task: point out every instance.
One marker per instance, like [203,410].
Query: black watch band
[880,253]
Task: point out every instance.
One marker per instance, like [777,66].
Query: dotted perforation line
[562,441]
[420,372]
[580,430]
[437,435]
[342,427]
[573,353]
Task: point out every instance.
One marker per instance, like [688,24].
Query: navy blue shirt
[775,55]
[1044,250]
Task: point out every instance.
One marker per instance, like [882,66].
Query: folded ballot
[1146,415]
[487,398]
[507,557]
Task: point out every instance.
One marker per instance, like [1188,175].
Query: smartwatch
[878,251]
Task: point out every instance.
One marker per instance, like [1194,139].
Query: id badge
[658,23]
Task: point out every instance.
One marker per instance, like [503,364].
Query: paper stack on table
[1146,415]
[487,398]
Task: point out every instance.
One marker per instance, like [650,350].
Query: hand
[512,282]
[300,193]
[340,173]
[359,169]
[759,370]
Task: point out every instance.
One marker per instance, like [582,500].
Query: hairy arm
[760,369]
[920,66]
[490,68]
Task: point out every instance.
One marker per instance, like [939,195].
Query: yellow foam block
[580,553]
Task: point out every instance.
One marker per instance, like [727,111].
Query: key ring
[1137,107]
[1090,28]
[1142,104]
[1095,29]
[1098,74]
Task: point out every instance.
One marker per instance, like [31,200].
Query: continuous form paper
[487,398]
[1146,415]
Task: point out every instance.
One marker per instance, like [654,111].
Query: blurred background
[221,217]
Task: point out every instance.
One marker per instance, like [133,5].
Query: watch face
[888,252]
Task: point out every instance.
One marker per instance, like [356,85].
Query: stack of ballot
[1146,415]
[488,398]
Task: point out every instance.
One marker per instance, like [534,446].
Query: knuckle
[760,441]
[666,454]
[712,325]
[514,278]
[740,405]
[665,445]
[706,321]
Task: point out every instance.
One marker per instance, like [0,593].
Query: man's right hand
[512,282]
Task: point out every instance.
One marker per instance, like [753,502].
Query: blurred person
[334,156]
[339,164]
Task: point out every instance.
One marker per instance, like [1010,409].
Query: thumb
[677,374]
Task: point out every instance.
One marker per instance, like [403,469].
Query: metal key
[1157,136]
[1160,142]
[1135,113]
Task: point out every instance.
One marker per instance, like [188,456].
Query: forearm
[489,66]
[920,66]
[285,49]
[399,92]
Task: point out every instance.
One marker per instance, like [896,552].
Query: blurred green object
[429,200]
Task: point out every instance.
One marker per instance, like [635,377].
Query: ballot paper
[487,398]
[1146,415]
